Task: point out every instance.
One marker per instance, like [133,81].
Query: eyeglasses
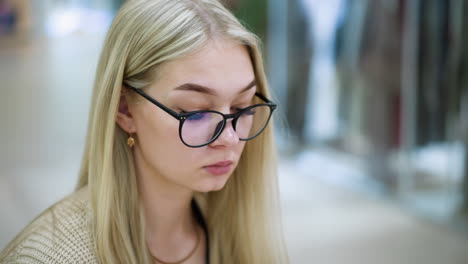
[202,127]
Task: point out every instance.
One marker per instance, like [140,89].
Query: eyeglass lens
[201,128]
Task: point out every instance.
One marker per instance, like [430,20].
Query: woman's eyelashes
[238,109]
[190,109]
[234,109]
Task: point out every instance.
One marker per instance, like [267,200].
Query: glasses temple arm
[164,108]
[261,96]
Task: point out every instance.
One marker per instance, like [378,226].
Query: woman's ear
[124,118]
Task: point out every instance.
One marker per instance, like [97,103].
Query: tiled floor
[43,111]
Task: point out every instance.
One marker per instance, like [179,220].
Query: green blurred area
[252,13]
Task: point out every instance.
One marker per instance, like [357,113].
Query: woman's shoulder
[61,234]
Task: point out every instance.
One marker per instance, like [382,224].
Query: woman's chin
[212,184]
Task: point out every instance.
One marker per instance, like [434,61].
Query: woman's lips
[219,168]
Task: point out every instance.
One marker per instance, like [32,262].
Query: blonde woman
[179,165]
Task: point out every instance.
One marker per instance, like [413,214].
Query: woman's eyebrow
[206,90]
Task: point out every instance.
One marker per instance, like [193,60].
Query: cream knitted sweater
[59,235]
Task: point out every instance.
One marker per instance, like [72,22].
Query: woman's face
[215,78]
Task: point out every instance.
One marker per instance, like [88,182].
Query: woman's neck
[171,229]
[167,207]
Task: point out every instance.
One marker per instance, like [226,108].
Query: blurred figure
[7,17]
[15,17]
[298,68]
[381,68]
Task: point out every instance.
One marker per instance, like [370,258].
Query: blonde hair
[243,219]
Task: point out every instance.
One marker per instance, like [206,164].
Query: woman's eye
[251,111]
[197,116]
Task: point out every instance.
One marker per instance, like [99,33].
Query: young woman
[179,163]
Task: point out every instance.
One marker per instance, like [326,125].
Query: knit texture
[59,235]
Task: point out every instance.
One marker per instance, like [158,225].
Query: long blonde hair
[243,219]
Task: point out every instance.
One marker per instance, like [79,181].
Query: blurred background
[372,127]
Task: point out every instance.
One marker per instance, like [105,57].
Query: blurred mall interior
[372,127]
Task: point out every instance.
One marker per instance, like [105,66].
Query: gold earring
[130,141]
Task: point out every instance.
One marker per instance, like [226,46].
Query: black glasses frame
[184,116]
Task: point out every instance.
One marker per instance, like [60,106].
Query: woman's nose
[228,136]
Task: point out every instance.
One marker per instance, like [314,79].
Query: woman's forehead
[220,66]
